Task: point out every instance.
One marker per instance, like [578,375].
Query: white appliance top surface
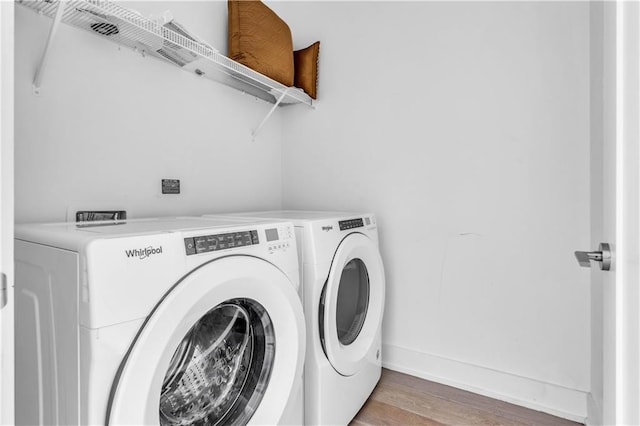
[140,226]
[65,232]
[295,215]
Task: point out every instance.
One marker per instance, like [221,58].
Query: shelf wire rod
[273,108]
[37,80]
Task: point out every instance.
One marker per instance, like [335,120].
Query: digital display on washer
[208,243]
[350,224]
[272,234]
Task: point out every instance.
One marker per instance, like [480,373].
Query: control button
[200,244]
[190,246]
[254,237]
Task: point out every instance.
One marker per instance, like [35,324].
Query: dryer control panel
[209,243]
[351,223]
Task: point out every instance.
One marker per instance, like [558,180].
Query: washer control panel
[209,243]
[277,238]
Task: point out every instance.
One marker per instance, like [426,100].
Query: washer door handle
[603,256]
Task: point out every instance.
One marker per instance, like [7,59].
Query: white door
[224,346]
[6,211]
[352,303]
[615,293]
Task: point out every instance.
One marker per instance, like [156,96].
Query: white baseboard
[594,411]
[531,393]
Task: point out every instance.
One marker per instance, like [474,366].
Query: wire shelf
[168,42]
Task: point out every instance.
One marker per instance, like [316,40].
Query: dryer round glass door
[220,370]
[353,301]
[352,304]
[224,345]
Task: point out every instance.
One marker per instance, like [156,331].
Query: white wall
[465,128]
[110,124]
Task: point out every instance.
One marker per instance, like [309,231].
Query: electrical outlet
[170,186]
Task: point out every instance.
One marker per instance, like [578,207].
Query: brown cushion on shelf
[306,69]
[259,39]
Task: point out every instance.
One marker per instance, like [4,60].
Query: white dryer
[343,291]
[157,322]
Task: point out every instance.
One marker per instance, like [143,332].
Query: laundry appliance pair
[170,321]
[342,292]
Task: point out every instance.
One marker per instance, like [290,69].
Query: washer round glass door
[352,303]
[225,345]
[220,370]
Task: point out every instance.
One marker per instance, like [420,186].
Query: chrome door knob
[603,256]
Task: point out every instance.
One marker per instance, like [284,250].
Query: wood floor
[400,399]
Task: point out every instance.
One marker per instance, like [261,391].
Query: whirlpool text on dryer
[144,252]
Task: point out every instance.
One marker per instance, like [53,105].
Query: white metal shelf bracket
[37,80]
[255,132]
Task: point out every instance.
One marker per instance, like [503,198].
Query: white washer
[158,321]
[343,290]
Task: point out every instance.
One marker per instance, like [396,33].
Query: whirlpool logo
[144,252]
[327,228]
